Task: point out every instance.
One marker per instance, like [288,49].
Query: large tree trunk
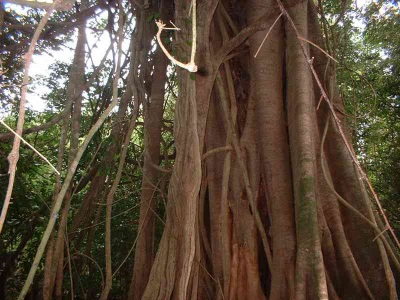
[267,73]
[270,219]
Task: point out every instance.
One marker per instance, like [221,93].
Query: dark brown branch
[54,30]
[237,40]
[14,154]
[57,118]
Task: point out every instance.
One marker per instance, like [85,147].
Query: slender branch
[136,238]
[94,262]
[155,166]
[383,231]
[59,117]
[55,120]
[213,278]
[14,154]
[239,38]
[59,199]
[216,150]
[61,5]
[52,32]
[190,66]
[194,34]
[349,206]
[110,196]
[266,36]
[228,19]
[30,146]
[319,48]
[102,222]
[246,180]
[69,261]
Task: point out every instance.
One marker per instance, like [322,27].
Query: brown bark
[267,74]
[350,241]
[310,273]
[312,241]
[174,263]
[177,246]
[218,170]
[259,197]
[144,253]
[244,279]
[55,252]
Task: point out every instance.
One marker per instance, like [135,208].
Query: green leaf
[150,18]
[167,41]
[188,21]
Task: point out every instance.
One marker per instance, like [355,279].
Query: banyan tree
[264,196]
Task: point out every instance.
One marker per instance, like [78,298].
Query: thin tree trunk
[153,120]
[55,252]
[144,253]
[310,272]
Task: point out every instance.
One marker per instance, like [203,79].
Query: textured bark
[244,281]
[267,75]
[175,273]
[268,106]
[144,253]
[263,118]
[259,197]
[55,251]
[310,273]
[356,253]
[218,170]
[174,261]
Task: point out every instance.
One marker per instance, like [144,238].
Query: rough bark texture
[54,267]
[264,199]
[267,74]
[154,109]
[310,273]
[170,274]
[267,106]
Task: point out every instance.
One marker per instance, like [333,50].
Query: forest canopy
[183,149]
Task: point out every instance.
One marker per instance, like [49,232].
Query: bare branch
[190,66]
[266,36]
[318,47]
[57,118]
[238,39]
[14,154]
[30,146]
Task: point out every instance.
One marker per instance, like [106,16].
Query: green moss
[306,214]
